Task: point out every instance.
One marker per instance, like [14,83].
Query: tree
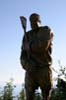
[7,93]
[22,94]
[38,96]
[59,93]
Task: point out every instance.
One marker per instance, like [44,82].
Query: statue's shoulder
[45,28]
[40,28]
[48,31]
[29,32]
[44,32]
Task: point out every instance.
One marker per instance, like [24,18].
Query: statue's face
[34,24]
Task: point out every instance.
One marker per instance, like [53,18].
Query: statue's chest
[36,35]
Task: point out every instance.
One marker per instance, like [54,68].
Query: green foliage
[38,96]
[59,93]
[62,71]
[7,92]
[22,94]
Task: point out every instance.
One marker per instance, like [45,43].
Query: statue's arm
[49,40]
[24,56]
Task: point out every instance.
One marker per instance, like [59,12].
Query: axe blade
[23,22]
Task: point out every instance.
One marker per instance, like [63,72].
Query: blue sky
[52,13]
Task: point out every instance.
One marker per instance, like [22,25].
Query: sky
[52,13]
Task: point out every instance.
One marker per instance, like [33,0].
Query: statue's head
[34,20]
[35,17]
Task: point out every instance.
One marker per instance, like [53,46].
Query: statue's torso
[36,40]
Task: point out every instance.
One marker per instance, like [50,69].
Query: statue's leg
[29,94]
[29,87]
[45,94]
[45,81]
